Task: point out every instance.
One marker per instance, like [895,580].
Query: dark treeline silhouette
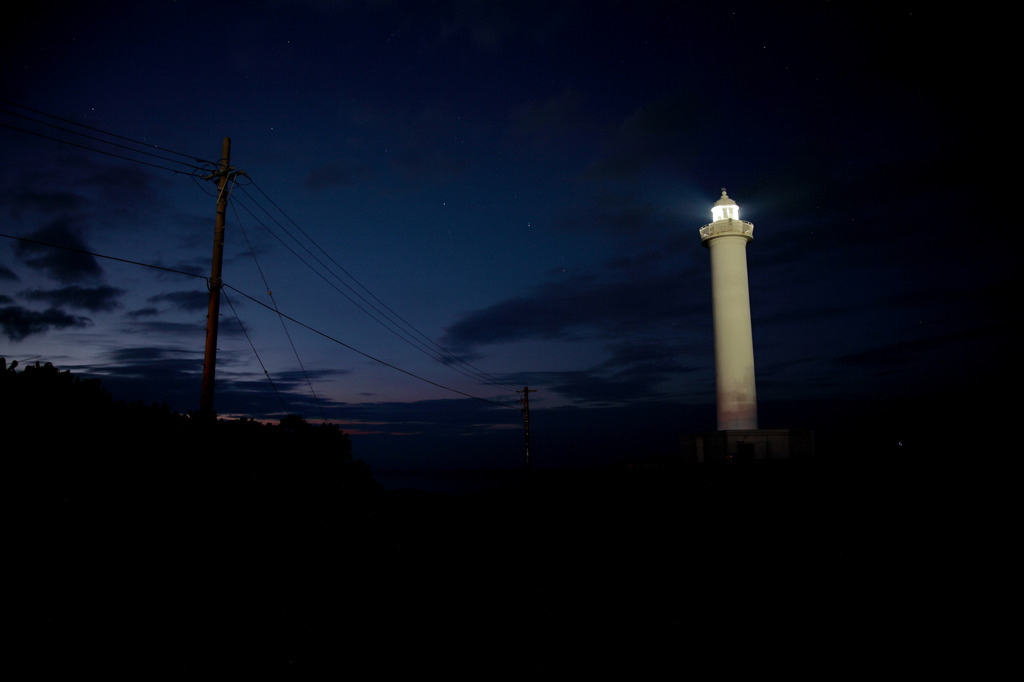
[140,529]
[76,422]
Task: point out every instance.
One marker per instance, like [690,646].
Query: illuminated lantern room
[725,209]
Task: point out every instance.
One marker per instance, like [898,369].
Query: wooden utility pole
[526,419]
[223,175]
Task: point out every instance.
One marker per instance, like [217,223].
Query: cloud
[591,387]
[622,213]
[19,323]
[188,300]
[167,328]
[95,299]
[458,416]
[423,145]
[495,26]
[107,183]
[163,373]
[420,163]
[23,201]
[70,263]
[132,357]
[297,376]
[151,374]
[637,369]
[668,133]
[338,173]
[650,314]
[552,119]
[609,304]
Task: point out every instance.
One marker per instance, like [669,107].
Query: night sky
[452,200]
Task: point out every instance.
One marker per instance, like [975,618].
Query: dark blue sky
[521,183]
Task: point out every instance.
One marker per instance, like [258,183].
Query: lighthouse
[738,438]
[726,237]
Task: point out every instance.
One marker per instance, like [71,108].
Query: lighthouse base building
[738,437]
[747,445]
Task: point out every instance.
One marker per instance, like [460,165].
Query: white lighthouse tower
[738,437]
[726,237]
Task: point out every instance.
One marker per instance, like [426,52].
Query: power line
[387,316]
[371,357]
[256,353]
[389,319]
[284,327]
[438,352]
[192,158]
[100,255]
[97,151]
[261,303]
[386,322]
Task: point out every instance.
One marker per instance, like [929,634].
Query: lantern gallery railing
[727,227]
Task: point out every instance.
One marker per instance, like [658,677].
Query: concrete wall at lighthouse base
[747,445]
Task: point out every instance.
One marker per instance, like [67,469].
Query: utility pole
[224,175]
[526,419]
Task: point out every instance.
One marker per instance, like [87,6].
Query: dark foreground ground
[807,569]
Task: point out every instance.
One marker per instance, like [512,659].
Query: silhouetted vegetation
[137,523]
[78,423]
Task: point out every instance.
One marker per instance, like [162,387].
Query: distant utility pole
[526,419]
[224,175]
